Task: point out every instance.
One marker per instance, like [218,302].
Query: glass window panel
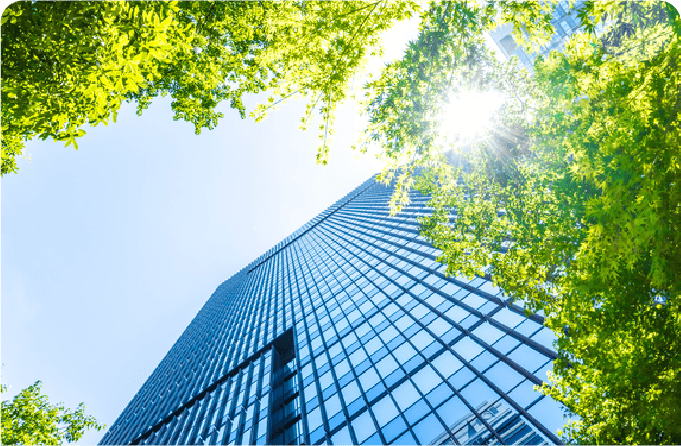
[362,366]
[362,329]
[426,379]
[439,394]
[397,314]
[506,344]
[262,426]
[336,349]
[475,301]
[350,392]
[356,406]
[419,311]
[384,410]
[462,377]
[321,361]
[386,366]
[421,339]
[428,429]
[528,358]
[503,376]
[388,334]
[524,394]
[310,391]
[369,378]
[484,360]
[467,348]
[545,337]
[354,315]
[543,372]
[434,299]
[405,395]
[508,318]
[394,377]
[342,437]
[373,345]
[549,413]
[325,380]
[457,314]
[469,321]
[417,411]
[341,324]
[390,309]
[332,405]
[314,419]
[394,428]
[406,438]
[404,322]
[349,340]
[488,308]
[452,410]
[358,356]
[307,371]
[342,367]
[404,352]
[374,439]
[488,333]
[375,391]
[439,326]
[528,327]
[447,363]
[377,319]
[363,427]
[478,392]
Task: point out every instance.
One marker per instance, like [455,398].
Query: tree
[31,419]
[68,64]
[572,207]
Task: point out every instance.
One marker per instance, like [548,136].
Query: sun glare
[468,114]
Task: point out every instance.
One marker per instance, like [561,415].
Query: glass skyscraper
[565,21]
[348,332]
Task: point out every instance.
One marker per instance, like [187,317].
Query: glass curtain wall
[348,332]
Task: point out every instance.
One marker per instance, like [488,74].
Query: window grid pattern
[387,350]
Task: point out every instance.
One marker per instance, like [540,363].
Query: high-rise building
[349,332]
[565,21]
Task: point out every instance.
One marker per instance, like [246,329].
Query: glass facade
[565,21]
[348,332]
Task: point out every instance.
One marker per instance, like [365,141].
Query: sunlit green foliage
[68,64]
[571,204]
[30,419]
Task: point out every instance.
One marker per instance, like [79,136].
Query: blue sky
[109,251]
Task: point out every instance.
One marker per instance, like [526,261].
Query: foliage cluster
[30,419]
[571,205]
[68,64]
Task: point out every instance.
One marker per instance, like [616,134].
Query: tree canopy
[30,419]
[570,204]
[68,64]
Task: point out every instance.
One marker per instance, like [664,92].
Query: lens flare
[468,114]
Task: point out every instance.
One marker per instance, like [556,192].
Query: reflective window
[426,379]
[335,284]
[405,395]
[428,429]
[363,427]
[384,410]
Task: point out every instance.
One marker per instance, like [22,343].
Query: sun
[468,114]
